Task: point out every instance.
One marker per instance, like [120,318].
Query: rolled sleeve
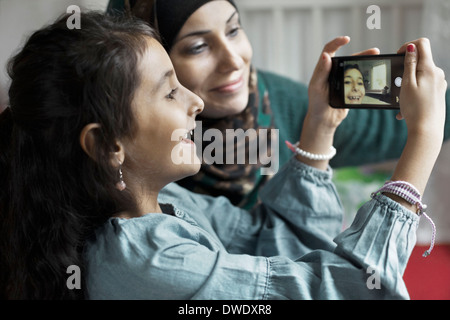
[382,236]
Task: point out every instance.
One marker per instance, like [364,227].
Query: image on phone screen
[366,81]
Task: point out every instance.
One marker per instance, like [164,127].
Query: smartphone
[368,82]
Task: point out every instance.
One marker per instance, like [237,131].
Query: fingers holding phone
[318,90]
[423,90]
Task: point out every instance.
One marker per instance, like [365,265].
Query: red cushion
[429,278]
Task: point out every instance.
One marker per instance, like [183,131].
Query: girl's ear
[88,140]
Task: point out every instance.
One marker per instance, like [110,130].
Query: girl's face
[165,114]
[354,90]
[212,57]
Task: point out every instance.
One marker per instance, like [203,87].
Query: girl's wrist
[431,133]
[316,140]
[429,141]
[320,125]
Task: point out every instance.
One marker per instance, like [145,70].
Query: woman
[88,144]
[354,90]
[212,57]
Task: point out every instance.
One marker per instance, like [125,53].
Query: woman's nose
[229,58]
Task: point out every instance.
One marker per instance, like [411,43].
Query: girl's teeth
[188,135]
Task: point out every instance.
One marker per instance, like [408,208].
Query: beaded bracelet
[311,156]
[409,193]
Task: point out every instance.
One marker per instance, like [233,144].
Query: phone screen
[366,81]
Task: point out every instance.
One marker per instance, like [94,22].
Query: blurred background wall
[19,18]
[288,35]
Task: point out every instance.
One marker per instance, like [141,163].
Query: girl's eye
[171,95]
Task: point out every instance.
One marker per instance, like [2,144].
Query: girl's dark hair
[53,195]
[352,66]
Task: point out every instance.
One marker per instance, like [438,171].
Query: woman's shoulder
[288,101]
[272,80]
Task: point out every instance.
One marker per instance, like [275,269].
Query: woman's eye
[199,48]
[234,32]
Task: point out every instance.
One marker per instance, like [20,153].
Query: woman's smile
[230,87]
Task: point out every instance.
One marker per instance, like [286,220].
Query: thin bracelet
[411,195]
[311,156]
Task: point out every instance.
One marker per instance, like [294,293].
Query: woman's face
[212,57]
[165,114]
[354,90]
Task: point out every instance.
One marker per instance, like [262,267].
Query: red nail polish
[290,146]
[410,48]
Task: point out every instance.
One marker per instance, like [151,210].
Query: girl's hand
[320,113]
[422,106]
[422,95]
[321,119]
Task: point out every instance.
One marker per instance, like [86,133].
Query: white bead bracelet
[311,156]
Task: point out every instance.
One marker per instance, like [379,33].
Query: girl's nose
[196,104]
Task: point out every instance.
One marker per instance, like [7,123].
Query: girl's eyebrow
[352,77]
[202,32]
[163,79]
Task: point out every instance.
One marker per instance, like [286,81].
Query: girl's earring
[121,184]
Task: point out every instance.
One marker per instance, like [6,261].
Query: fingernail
[410,48]
[290,146]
